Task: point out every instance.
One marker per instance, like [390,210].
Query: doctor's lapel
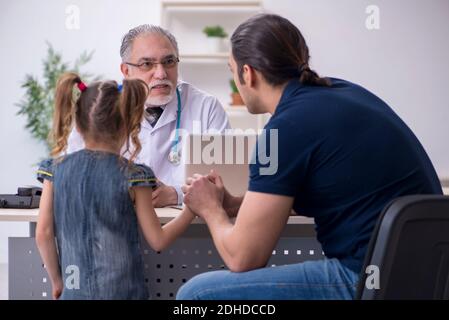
[168,116]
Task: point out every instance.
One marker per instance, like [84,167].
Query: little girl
[92,199]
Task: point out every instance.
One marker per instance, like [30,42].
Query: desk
[164,214]
[165,271]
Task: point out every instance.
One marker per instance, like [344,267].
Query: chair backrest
[410,250]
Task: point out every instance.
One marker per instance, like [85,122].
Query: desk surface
[164,214]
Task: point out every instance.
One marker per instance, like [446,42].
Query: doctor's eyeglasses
[149,65]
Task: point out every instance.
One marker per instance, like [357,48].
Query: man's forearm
[233,206]
[230,242]
[220,228]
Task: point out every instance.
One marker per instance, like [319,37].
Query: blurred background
[398,49]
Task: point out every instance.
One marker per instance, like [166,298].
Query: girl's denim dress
[96,225]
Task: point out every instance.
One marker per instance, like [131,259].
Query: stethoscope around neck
[174,156]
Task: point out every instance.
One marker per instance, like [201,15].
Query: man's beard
[160,100]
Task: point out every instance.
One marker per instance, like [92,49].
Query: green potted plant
[214,38]
[235,95]
[38,101]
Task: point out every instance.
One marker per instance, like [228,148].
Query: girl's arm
[158,237]
[45,238]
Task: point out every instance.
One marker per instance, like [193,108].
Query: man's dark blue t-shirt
[343,154]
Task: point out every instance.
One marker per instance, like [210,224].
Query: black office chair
[410,247]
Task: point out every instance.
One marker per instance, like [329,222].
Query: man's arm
[231,203]
[248,243]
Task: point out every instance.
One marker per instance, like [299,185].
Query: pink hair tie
[82,86]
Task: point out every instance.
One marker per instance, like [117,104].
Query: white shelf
[211,2]
[205,57]
[213,9]
[201,66]
[216,55]
[174,8]
[199,3]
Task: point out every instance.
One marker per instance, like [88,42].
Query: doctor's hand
[203,196]
[164,196]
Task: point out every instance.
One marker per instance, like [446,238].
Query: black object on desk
[26,198]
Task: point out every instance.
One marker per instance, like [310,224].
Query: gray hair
[128,39]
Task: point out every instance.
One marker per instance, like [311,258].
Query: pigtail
[132,101]
[63,111]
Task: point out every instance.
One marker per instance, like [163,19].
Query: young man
[343,154]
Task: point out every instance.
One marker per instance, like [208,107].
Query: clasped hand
[204,194]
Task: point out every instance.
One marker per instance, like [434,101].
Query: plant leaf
[38,100]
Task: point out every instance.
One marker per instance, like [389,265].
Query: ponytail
[131,104]
[310,77]
[63,111]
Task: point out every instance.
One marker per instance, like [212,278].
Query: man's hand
[164,196]
[202,195]
[231,204]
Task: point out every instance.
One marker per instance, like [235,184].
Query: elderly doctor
[151,53]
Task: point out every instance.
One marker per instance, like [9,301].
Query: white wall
[405,62]
[24,27]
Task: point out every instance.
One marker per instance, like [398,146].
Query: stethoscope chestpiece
[174,157]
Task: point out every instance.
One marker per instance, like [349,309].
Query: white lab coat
[199,111]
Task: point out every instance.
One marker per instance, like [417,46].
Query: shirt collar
[290,89]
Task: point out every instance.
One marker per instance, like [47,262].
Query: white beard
[159,101]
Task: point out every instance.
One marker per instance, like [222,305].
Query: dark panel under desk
[165,271]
